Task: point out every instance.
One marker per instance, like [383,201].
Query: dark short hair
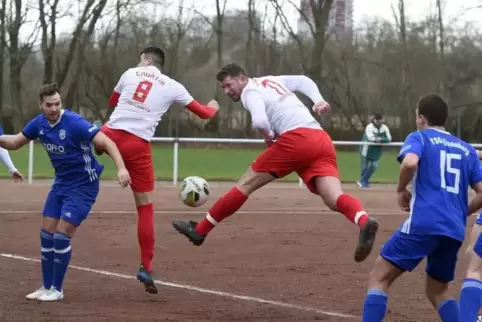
[157,54]
[48,90]
[231,70]
[434,108]
[378,116]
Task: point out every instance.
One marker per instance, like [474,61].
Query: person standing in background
[376,132]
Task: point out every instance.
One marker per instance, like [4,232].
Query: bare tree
[2,51]
[315,14]
[18,52]
[49,39]
[91,11]
[441,45]
[219,30]
[84,41]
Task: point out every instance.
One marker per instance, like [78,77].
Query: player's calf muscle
[436,291]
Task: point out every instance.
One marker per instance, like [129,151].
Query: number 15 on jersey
[447,168]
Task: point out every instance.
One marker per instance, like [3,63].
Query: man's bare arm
[13,142]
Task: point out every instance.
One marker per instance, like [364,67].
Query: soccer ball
[194,191]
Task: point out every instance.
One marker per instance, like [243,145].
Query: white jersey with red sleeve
[275,108]
[141,97]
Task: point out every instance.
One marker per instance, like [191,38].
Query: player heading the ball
[296,143]
[66,137]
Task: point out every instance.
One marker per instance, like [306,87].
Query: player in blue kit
[471,293]
[66,137]
[441,168]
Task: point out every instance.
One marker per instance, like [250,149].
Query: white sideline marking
[197,212]
[197,289]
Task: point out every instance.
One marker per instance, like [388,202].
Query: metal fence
[177,141]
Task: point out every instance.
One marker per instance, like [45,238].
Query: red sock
[352,209]
[223,208]
[145,234]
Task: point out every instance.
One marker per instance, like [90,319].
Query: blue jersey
[446,169]
[68,145]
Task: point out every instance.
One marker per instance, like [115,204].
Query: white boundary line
[197,289]
[219,184]
[197,212]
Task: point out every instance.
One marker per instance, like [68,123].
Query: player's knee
[252,181]
[142,198]
[66,227]
[330,199]
[329,189]
[377,281]
[49,224]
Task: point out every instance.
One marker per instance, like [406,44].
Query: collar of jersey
[58,121]
[438,130]
[153,67]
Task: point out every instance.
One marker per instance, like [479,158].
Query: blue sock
[470,299]
[63,252]
[47,257]
[449,311]
[375,306]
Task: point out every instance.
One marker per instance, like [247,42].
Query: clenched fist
[321,108]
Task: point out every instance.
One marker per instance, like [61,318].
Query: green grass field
[212,164]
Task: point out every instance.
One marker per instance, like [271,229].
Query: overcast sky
[415,10]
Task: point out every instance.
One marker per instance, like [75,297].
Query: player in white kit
[141,97]
[296,143]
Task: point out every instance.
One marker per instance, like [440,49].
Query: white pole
[175,163]
[30,162]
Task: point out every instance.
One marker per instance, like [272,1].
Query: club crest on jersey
[62,134]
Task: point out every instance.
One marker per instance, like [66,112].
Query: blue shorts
[407,251]
[72,205]
[478,246]
[479,219]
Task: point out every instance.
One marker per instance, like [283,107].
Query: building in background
[340,23]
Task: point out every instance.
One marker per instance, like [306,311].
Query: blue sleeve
[32,129]
[1,130]
[476,171]
[83,130]
[413,144]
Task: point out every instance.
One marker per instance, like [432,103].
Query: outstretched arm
[7,161]
[182,96]
[14,142]
[303,84]
[203,111]
[306,86]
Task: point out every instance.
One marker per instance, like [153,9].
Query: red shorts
[137,156]
[308,152]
